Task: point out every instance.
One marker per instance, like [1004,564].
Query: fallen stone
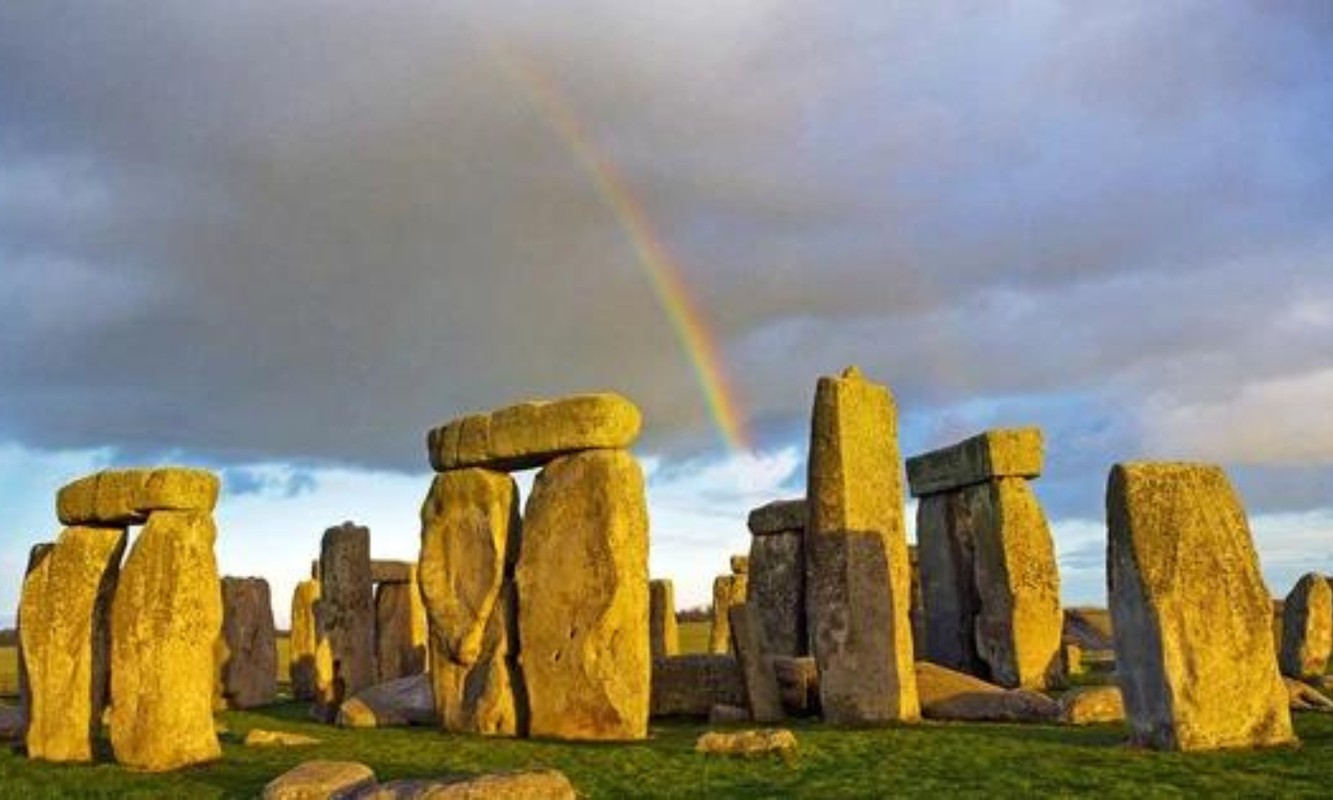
[303,642]
[727,715]
[533,784]
[249,644]
[258,737]
[65,633]
[469,541]
[728,591]
[585,655]
[775,586]
[1192,616]
[1307,628]
[775,741]
[391,571]
[345,616]
[858,581]
[798,683]
[401,630]
[949,695]
[315,780]
[165,621]
[779,516]
[13,724]
[1087,705]
[1089,628]
[761,685]
[1001,453]
[1303,697]
[396,703]
[119,497]
[532,434]
[663,631]
[740,564]
[690,685]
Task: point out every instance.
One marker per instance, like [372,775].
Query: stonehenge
[304,642]
[345,616]
[1307,628]
[728,590]
[248,648]
[776,580]
[1190,611]
[990,587]
[400,621]
[663,632]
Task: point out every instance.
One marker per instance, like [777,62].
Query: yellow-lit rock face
[400,630]
[165,619]
[664,633]
[728,591]
[583,599]
[1192,617]
[858,577]
[531,434]
[1307,628]
[469,540]
[65,606]
[303,641]
[127,496]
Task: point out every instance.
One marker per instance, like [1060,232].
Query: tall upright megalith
[583,599]
[728,591]
[857,581]
[1307,628]
[1192,617]
[65,636]
[989,580]
[663,632]
[248,668]
[345,614]
[400,625]
[36,555]
[776,583]
[303,643]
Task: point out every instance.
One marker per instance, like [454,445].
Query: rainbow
[654,259]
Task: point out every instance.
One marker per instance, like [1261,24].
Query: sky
[283,240]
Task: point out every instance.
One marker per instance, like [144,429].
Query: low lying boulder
[321,779]
[532,784]
[775,741]
[1303,697]
[1087,705]
[690,685]
[949,695]
[258,737]
[396,703]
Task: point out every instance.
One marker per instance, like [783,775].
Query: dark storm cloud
[311,231]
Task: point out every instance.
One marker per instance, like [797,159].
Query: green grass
[693,636]
[940,760]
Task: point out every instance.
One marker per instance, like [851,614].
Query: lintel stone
[999,453]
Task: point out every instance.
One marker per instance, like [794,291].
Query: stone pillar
[36,555]
[762,695]
[1190,612]
[345,615]
[65,639]
[728,591]
[663,634]
[989,581]
[400,629]
[303,642]
[1307,628]
[858,583]
[776,583]
[248,667]
[469,541]
[583,599]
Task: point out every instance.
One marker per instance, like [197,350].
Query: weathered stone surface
[1071,659]
[761,686]
[740,564]
[728,591]
[1087,705]
[469,541]
[798,682]
[776,589]
[917,611]
[64,606]
[779,516]
[946,556]
[690,685]
[775,741]
[401,630]
[728,715]
[400,702]
[165,620]
[392,571]
[345,616]
[36,555]
[249,648]
[663,633]
[1002,453]
[1089,628]
[585,650]
[120,497]
[531,434]
[13,723]
[857,576]
[946,694]
[303,642]
[258,737]
[531,784]
[316,780]
[1307,628]
[1194,642]
[1303,697]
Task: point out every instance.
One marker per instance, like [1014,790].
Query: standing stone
[303,642]
[761,685]
[918,610]
[776,583]
[1307,628]
[469,541]
[345,614]
[583,590]
[740,564]
[36,555]
[165,620]
[728,591]
[947,555]
[858,584]
[400,630]
[1191,613]
[64,606]
[663,634]
[249,667]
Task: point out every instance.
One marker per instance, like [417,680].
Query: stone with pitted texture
[779,516]
[690,685]
[401,630]
[531,434]
[1192,617]
[317,780]
[950,695]
[728,591]
[1087,705]
[1307,628]
[1001,453]
[528,784]
[764,699]
[36,555]
[345,615]
[118,497]
[663,632]
[249,647]
[303,641]
[776,588]
[391,571]
[798,682]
